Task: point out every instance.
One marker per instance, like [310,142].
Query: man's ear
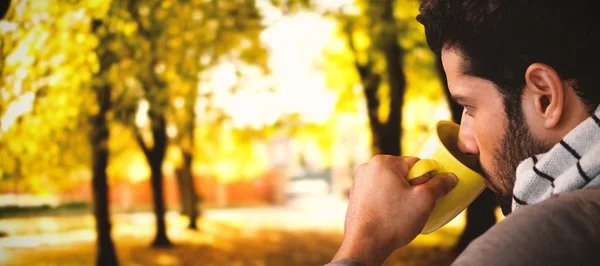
[546,92]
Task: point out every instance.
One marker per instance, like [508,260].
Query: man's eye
[468,110]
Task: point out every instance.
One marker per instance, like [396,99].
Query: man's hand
[385,211]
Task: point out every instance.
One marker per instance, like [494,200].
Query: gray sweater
[562,230]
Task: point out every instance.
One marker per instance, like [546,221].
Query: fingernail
[453,178]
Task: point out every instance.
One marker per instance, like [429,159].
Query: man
[526,73]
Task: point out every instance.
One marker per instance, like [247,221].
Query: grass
[237,238]
[266,247]
[72,208]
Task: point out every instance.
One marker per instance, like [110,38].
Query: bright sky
[295,84]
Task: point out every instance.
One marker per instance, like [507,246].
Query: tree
[154,94]
[99,136]
[64,115]
[39,111]
[175,42]
[382,31]
[215,32]
[189,198]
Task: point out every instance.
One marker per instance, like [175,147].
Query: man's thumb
[441,185]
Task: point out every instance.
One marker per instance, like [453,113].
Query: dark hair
[500,39]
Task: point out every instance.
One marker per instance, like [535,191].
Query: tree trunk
[105,251]
[386,135]
[371,82]
[187,187]
[190,188]
[161,239]
[390,139]
[157,155]
[187,191]
[4,5]
[183,192]
[480,214]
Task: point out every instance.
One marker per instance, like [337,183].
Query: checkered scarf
[572,164]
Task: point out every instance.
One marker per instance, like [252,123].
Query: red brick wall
[126,195]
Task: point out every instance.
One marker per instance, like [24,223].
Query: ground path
[304,232]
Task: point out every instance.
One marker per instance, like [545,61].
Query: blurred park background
[206,132]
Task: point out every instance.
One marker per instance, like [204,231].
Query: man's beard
[517,144]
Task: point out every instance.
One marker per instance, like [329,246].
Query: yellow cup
[440,154]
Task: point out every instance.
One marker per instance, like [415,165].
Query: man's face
[501,141]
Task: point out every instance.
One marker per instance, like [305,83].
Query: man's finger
[410,161]
[440,185]
[420,180]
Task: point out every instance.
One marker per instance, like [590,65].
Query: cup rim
[457,127]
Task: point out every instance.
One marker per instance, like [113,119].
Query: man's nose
[466,136]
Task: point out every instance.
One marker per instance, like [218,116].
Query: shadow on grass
[225,245]
[238,240]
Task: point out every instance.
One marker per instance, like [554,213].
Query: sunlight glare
[270,13]
[172,130]
[4,257]
[137,170]
[21,106]
[179,102]
[223,77]
[166,259]
[296,84]
[141,116]
[7,26]
[348,7]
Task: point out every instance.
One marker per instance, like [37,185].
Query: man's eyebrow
[461,99]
